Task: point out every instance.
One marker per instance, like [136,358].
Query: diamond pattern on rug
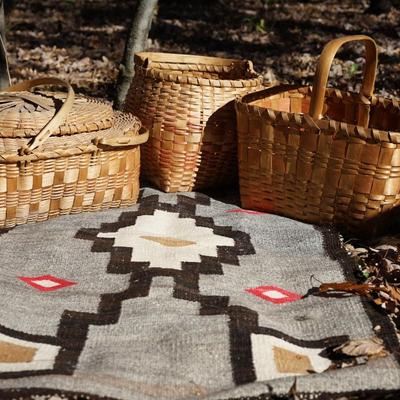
[274,294]
[46,283]
[169,241]
[166,240]
[276,358]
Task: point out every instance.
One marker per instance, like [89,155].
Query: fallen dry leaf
[364,289]
[372,347]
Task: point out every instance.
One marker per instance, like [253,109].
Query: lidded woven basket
[321,155]
[186,102]
[61,154]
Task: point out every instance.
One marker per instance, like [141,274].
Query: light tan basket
[62,154]
[186,103]
[321,155]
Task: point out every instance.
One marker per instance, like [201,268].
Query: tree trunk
[136,42]
[4,74]
[2,21]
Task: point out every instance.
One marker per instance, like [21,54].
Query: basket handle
[324,66]
[127,141]
[58,117]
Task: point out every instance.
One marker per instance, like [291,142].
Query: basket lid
[86,117]
[24,114]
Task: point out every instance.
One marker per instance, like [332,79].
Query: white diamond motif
[165,240]
[47,283]
[274,294]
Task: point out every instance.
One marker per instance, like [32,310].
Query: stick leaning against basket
[61,154]
[321,155]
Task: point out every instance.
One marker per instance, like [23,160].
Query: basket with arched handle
[319,154]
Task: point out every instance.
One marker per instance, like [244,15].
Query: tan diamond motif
[169,241]
[14,353]
[287,361]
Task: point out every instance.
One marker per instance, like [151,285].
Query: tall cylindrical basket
[186,102]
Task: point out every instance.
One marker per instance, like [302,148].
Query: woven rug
[182,297]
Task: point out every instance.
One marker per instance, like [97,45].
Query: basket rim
[185,58]
[324,125]
[142,59]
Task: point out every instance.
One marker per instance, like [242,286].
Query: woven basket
[186,103]
[62,154]
[321,155]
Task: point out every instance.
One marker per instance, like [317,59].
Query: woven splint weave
[186,102]
[321,155]
[62,154]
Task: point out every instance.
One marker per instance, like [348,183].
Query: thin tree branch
[136,42]
[4,74]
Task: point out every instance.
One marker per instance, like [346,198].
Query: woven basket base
[45,189]
[313,204]
[328,173]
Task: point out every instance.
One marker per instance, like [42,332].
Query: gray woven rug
[181,297]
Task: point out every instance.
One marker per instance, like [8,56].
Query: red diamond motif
[46,283]
[274,294]
[241,210]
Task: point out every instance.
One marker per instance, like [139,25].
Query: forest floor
[83,40]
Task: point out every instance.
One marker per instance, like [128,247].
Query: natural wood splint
[61,154]
[187,104]
[321,155]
